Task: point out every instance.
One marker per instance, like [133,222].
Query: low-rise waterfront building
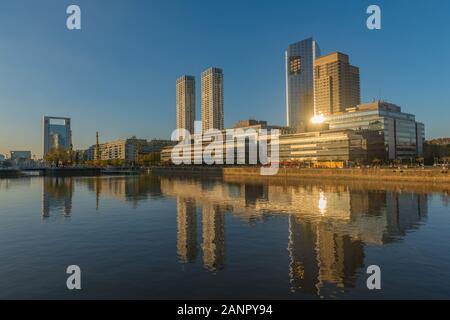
[376,150]
[21,158]
[125,149]
[79,155]
[261,124]
[166,155]
[89,153]
[403,136]
[336,148]
[439,142]
[324,148]
[156,145]
[245,135]
[370,133]
[329,148]
[20,155]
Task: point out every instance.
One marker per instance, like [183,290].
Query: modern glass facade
[20,155]
[56,134]
[299,59]
[403,136]
[323,146]
[420,136]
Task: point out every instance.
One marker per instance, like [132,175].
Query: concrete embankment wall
[189,170]
[9,173]
[72,172]
[420,175]
[432,175]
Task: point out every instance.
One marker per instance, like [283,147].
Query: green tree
[118,162]
[376,162]
[151,159]
[58,156]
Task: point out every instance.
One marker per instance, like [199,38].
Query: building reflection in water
[57,192]
[329,225]
[132,189]
[212,224]
[57,196]
[186,230]
[319,256]
[213,234]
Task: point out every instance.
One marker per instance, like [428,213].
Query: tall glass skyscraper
[300,58]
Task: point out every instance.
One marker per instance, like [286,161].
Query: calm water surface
[160,237]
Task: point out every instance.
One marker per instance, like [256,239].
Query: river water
[150,237]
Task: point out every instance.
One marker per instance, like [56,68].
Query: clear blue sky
[117,75]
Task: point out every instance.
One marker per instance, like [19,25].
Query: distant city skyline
[117,74]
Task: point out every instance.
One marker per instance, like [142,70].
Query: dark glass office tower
[300,58]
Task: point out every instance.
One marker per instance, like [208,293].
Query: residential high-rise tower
[185,103]
[212,99]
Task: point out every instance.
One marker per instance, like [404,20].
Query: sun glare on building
[318,119]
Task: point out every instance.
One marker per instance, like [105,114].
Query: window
[295,65]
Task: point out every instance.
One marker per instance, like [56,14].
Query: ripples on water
[165,237]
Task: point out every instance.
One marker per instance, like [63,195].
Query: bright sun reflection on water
[322,203]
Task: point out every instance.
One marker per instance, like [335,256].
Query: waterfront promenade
[66,172]
[429,175]
[410,175]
